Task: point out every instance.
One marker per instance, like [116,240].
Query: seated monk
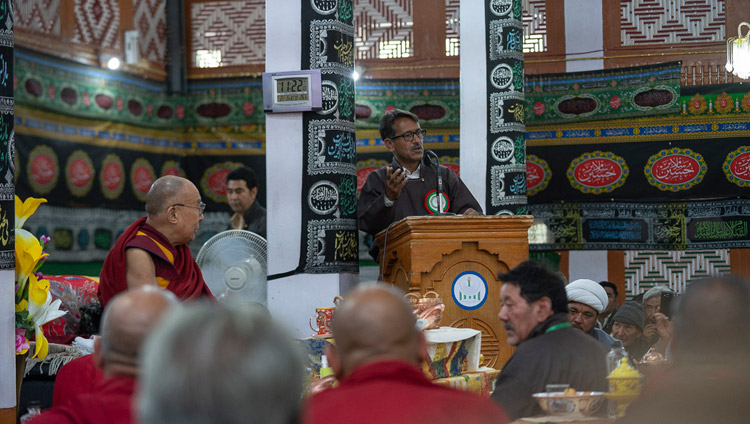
[128,319]
[154,250]
[376,359]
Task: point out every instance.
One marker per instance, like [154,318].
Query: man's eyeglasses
[409,136]
[201,206]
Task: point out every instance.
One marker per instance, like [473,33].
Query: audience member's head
[530,294]
[712,320]
[242,189]
[374,323]
[652,301]
[628,323]
[175,208]
[210,364]
[586,300]
[612,294]
[128,319]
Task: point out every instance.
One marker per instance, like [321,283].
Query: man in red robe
[154,250]
[376,360]
[127,321]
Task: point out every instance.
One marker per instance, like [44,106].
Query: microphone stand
[433,159]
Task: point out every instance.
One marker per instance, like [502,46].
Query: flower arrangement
[34,305]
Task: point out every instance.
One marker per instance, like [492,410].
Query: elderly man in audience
[627,327]
[210,364]
[710,378]
[127,321]
[154,249]
[605,318]
[586,300]
[376,359]
[535,317]
[658,329]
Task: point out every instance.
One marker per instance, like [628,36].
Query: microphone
[431,158]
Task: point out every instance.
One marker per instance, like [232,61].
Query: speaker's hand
[395,180]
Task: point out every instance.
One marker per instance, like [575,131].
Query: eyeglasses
[201,206]
[409,136]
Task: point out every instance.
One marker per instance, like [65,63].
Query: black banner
[329,185]
[7,189]
[654,171]
[506,176]
[599,226]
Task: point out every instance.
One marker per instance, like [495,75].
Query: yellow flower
[28,254]
[41,313]
[26,208]
[22,306]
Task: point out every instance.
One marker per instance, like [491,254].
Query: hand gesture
[394,183]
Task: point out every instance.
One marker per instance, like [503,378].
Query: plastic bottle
[325,370]
[615,355]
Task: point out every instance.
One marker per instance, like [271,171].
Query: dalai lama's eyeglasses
[201,206]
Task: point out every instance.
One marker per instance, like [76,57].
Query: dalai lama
[154,250]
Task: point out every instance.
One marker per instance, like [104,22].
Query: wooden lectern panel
[426,253]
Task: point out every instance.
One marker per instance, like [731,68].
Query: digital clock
[294,91]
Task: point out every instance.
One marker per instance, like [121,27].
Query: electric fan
[233,264]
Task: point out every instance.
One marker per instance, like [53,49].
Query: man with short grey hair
[211,364]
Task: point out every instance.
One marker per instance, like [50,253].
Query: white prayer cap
[588,292]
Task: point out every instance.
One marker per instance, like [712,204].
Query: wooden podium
[447,253]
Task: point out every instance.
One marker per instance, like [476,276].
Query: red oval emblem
[172,171]
[142,179]
[597,172]
[615,102]
[112,176]
[217,181]
[80,174]
[740,166]
[43,169]
[675,169]
[534,175]
[362,175]
[538,108]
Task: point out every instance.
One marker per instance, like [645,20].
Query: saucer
[322,336]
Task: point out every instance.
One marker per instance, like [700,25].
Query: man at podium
[409,185]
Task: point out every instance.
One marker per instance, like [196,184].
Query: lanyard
[558,326]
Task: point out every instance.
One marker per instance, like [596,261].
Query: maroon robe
[396,392]
[77,377]
[111,402]
[175,266]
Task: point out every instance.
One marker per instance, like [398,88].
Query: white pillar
[473,62]
[291,300]
[7,340]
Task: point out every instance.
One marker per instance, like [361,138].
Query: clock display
[291,89]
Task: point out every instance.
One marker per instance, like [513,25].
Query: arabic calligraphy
[345,246]
[597,172]
[4,229]
[346,54]
[741,166]
[675,169]
[518,112]
[723,230]
[342,148]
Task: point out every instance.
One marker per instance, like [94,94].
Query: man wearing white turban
[586,300]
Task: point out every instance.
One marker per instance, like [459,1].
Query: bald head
[163,191]
[127,320]
[373,323]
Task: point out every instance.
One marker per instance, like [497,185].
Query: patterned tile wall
[237,28]
[41,16]
[383,29]
[97,22]
[677,268]
[452,28]
[149,20]
[645,22]
[535,26]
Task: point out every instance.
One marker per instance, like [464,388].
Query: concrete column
[584,35]
[291,300]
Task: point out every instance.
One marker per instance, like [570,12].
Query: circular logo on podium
[469,290]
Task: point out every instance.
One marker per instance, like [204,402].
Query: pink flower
[22,344]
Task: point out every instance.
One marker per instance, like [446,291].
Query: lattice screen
[676,268]
[383,29]
[535,27]
[150,20]
[644,22]
[236,29]
[97,22]
[42,16]
[452,42]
